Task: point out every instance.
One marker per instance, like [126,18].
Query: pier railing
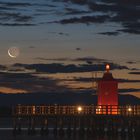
[52,110]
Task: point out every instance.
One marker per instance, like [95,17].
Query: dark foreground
[7,132]
[24,135]
[70,123]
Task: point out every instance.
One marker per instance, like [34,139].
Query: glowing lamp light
[107,67]
[129,109]
[98,109]
[79,109]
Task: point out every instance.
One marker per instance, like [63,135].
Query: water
[7,134]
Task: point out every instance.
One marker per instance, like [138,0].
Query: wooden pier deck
[67,110]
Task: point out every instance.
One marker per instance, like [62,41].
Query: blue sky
[60,40]
[53,30]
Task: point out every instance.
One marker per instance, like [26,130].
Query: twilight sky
[62,42]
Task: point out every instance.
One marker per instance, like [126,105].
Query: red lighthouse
[107,89]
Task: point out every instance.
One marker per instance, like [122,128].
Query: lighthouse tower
[107,89]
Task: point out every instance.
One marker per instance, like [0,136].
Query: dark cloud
[14,76]
[90,59]
[12,15]
[128,81]
[23,18]
[80,59]
[81,79]
[2,67]
[62,33]
[129,90]
[84,19]
[15,4]
[110,33]
[121,91]
[59,33]
[104,7]
[70,68]
[29,82]
[32,47]
[131,62]
[71,11]
[123,12]
[15,19]
[16,24]
[45,5]
[135,69]
[6,8]
[53,59]
[79,1]
[78,49]
[136,73]
[129,30]
[126,13]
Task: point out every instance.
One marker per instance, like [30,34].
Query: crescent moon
[11,54]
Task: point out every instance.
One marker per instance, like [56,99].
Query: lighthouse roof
[108,77]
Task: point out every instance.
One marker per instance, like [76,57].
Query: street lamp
[129,109]
[79,109]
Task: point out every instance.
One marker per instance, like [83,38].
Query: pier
[77,120]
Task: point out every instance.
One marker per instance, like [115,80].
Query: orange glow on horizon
[8,90]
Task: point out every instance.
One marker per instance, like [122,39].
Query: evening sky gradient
[73,37]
